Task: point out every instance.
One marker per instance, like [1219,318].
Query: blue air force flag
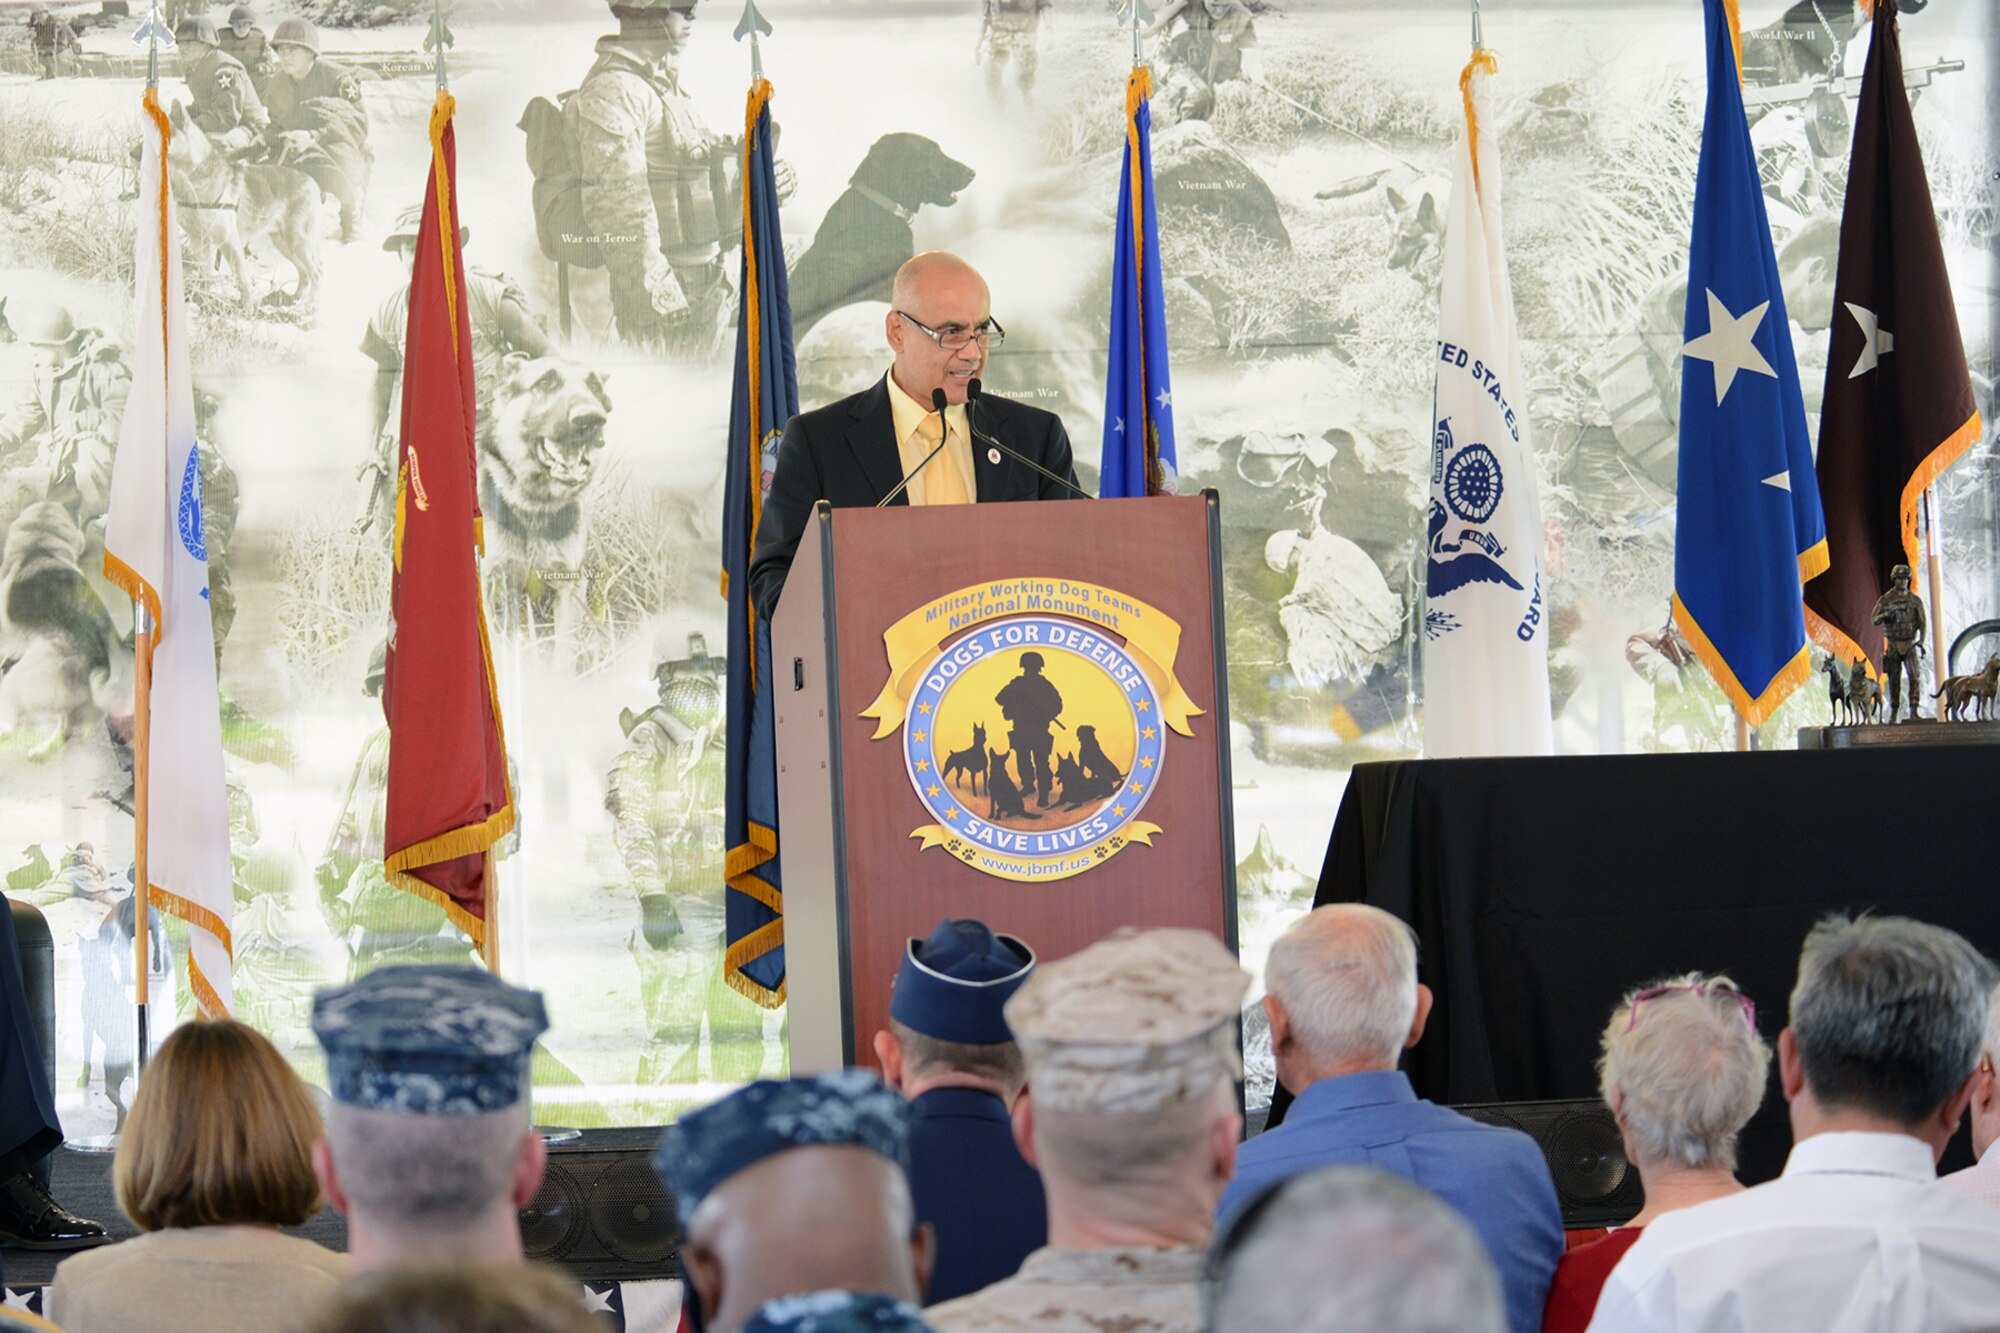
[1750,530]
[765,397]
[156,549]
[1138,454]
[1486,643]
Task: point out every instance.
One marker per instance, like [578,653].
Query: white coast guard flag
[1486,659]
[154,548]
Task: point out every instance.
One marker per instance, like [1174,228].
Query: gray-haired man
[1878,1065]
[1344,1003]
[1981,1180]
[1350,1249]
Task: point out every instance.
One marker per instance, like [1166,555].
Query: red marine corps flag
[1898,407]
[448,799]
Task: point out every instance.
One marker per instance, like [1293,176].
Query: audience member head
[428,1148]
[1986,1085]
[1887,1019]
[947,1020]
[1131,1113]
[1342,994]
[788,1187]
[509,1298]
[1350,1249]
[1683,1071]
[221,1133]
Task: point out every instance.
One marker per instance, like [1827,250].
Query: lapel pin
[993,455]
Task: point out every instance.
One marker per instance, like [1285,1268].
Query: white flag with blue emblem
[156,550]
[1486,657]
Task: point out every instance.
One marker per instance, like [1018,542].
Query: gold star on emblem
[951,814]
[1149,733]
[1145,705]
[1136,788]
[1117,809]
[923,765]
[933,789]
[918,737]
[1147,762]
[925,709]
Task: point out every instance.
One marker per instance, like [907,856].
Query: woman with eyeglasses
[1682,1070]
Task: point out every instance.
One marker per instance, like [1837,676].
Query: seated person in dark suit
[855,451]
[1344,1004]
[948,1049]
[29,1130]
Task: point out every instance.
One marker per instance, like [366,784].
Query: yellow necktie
[942,483]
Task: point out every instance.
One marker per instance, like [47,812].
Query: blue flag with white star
[766,395]
[1750,530]
[1138,395]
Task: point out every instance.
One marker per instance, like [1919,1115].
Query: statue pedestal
[1876,734]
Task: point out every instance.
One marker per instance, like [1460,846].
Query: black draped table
[1542,889]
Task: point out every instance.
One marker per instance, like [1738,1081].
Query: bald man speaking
[875,444]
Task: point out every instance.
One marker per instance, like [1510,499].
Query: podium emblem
[1033,741]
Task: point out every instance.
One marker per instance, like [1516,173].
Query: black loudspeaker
[1595,1185]
[602,1214]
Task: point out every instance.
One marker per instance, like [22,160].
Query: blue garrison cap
[849,1107]
[955,985]
[431,1039]
[837,1312]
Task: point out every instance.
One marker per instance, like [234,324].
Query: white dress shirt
[1853,1238]
[1979,1181]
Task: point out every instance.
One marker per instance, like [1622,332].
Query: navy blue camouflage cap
[955,985]
[851,1107]
[431,1039]
[837,1312]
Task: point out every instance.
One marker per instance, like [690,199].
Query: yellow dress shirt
[949,479]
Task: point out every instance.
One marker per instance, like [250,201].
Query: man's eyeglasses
[1748,1005]
[956,339]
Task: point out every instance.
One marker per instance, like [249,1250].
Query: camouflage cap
[1139,1021]
[837,1312]
[851,1107]
[431,1039]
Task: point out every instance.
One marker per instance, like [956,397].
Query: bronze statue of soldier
[1900,613]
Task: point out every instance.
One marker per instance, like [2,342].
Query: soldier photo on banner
[630,179]
[664,795]
[56,46]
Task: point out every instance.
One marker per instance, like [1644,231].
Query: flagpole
[1933,561]
[150,31]
[142,766]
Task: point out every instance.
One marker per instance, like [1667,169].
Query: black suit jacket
[845,453]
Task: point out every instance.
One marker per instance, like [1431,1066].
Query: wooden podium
[899,630]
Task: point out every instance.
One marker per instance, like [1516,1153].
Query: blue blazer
[973,1186]
[1496,1178]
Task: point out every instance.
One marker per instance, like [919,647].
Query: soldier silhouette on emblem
[1031,703]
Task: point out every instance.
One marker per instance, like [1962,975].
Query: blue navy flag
[1750,530]
[1138,394]
[766,395]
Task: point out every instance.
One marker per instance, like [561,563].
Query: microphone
[944,433]
[972,392]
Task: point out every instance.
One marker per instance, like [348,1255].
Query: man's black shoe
[31,1220]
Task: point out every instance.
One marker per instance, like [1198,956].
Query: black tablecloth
[1543,889]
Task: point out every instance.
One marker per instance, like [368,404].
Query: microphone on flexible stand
[944,433]
[972,392]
